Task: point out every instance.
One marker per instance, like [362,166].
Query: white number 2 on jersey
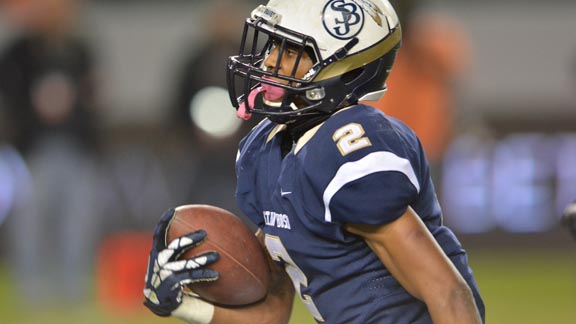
[349,138]
[278,252]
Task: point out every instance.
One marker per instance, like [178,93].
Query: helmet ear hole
[351,76]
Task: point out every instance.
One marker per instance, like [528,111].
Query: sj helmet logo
[343,19]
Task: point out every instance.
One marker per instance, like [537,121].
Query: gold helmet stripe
[361,58]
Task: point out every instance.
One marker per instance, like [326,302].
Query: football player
[360,238]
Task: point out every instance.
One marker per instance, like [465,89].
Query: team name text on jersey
[276,219]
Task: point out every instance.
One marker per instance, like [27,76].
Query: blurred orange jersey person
[435,54]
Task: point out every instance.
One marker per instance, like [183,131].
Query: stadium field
[527,287]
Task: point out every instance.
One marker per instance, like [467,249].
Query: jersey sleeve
[374,190]
[376,183]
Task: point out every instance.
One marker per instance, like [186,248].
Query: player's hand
[166,276]
[569,218]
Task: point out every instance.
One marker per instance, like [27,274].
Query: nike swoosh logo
[284,193]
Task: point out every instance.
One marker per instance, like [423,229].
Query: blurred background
[112,111]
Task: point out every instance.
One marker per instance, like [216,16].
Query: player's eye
[291,52]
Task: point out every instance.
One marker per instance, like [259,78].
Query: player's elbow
[454,304]
[460,292]
[454,292]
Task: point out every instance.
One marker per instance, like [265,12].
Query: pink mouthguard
[271,93]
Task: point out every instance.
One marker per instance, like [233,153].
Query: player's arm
[415,259]
[276,308]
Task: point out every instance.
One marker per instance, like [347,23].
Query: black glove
[166,276]
[569,218]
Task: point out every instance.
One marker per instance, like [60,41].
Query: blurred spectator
[205,63]
[202,116]
[434,57]
[46,75]
[47,93]
[192,163]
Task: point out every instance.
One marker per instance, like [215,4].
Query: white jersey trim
[371,163]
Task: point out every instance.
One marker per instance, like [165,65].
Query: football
[243,265]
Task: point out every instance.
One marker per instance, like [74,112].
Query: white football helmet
[352,43]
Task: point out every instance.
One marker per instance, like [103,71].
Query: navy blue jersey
[359,166]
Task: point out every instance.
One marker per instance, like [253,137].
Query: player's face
[288,61]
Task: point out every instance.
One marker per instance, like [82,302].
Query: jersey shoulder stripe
[371,163]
